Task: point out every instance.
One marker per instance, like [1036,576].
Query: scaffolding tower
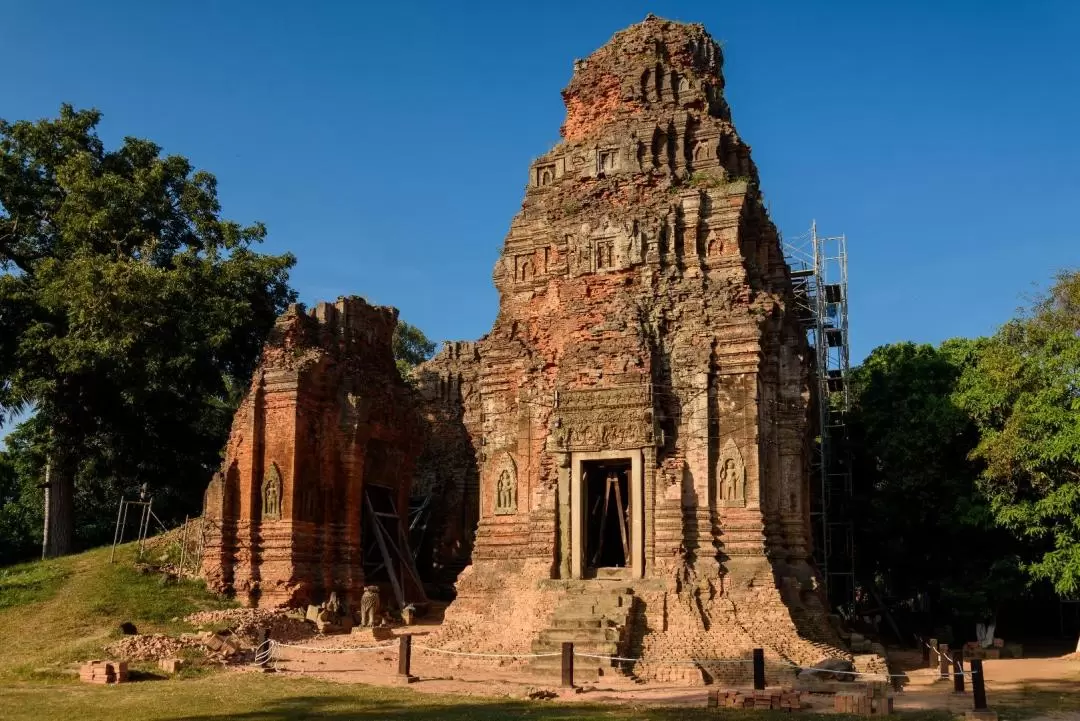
[819,277]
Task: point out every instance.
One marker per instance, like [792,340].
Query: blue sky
[387,145]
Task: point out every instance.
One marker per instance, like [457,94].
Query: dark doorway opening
[607,513]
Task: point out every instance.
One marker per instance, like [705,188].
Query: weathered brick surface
[645,310]
[326,416]
[449,402]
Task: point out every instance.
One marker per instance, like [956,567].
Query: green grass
[258,697]
[63,611]
[30,583]
[1031,701]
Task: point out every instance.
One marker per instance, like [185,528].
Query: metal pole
[183,545]
[116,533]
[759,669]
[568,664]
[143,520]
[123,524]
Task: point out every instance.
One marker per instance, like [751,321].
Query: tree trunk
[59,511]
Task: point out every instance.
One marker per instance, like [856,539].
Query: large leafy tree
[1024,394]
[925,534]
[130,310]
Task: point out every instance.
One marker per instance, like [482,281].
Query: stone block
[170,665]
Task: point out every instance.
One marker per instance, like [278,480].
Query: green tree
[128,309]
[1024,394]
[411,347]
[923,529]
[21,462]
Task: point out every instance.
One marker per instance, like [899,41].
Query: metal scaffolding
[819,276]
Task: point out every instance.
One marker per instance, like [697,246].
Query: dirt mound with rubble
[247,622]
[149,647]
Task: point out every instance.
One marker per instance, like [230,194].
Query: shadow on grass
[343,708]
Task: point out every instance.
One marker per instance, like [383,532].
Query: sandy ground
[1010,682]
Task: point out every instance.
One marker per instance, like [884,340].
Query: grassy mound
[59,612]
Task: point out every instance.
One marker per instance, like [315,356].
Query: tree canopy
[411,347]
[924,530]
[130,311]
[1024,396]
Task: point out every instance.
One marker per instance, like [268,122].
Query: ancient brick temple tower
[327,420]
[640,410]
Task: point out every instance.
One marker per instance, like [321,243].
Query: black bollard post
[943,661]
[404,659]
[759,669]
[933,648]
[568,664]
[958,672]
[978,684]
[925,651]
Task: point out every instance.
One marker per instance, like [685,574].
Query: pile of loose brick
[775,699]
[104,672]
[875,703]
[999,649]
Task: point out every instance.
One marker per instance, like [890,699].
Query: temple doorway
[608,525]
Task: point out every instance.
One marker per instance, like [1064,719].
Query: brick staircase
[595,615]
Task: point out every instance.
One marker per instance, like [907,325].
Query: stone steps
[594,615]
[583,621]
[580,636]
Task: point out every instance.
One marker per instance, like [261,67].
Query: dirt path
[1034,683]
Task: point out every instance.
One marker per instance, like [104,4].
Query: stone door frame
[578,500]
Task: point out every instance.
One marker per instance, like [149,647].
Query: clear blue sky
[387,144]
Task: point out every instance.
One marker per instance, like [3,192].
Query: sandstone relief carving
[506,488]
[271,493]
[731,476]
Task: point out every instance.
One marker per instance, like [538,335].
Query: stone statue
[505,493]
[731,476]
[271,492]
[369,606]
[731,480]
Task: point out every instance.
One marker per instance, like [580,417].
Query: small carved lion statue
[369,606]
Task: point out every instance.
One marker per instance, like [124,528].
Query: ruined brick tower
[640,410]
[327,422]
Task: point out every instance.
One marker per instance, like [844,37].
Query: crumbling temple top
[641,69]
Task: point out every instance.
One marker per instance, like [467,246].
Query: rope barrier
[266,652]
[487,655]
[342,649]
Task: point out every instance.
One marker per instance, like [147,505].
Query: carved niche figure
[271,493]
[506,493]
[560,434]
[369,606]
[731,476]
